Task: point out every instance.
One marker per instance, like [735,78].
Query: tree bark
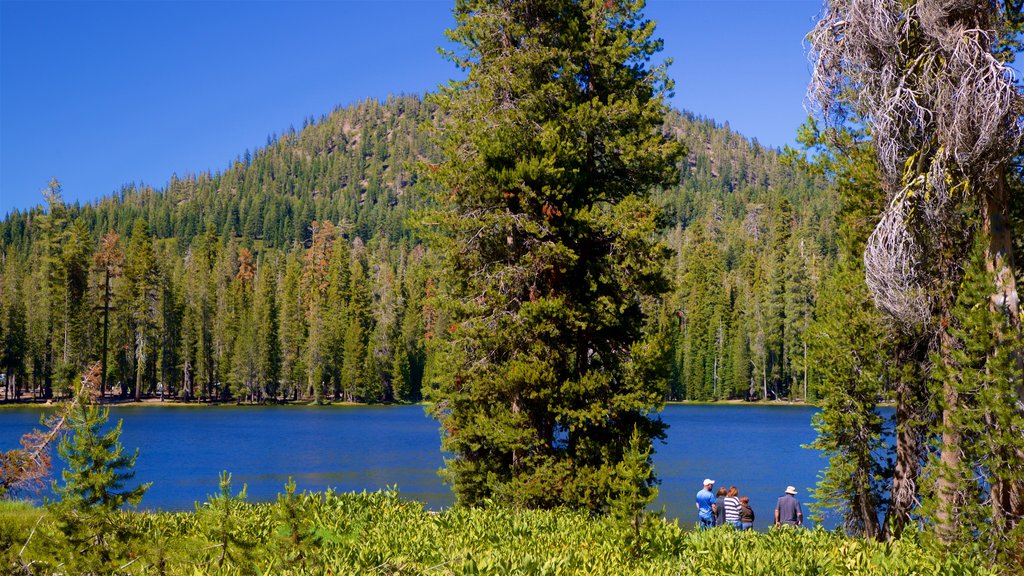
[106,329]
[903,493]
[949,458]
[1007,496]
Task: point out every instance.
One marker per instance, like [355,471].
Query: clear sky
[99,94]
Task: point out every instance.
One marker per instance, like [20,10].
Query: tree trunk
[764,374]
[140,363]
[106,330]
[903,494]
[865,504]
[805,370]
[1007,496]
[946,487]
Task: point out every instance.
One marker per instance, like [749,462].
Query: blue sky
[99,94]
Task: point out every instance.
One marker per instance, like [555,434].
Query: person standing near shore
[720,507]
[746,514]
[787,509]
[706,505]
[732,507]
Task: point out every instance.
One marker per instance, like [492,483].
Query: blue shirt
[704,501]
[788,509]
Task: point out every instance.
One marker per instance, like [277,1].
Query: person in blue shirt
[787,509]
[706,506]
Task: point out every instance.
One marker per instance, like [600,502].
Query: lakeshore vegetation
[380,533]
[548,253]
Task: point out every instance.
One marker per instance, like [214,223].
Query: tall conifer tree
[141,277]
[551,145]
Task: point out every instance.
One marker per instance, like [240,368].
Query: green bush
[380,533]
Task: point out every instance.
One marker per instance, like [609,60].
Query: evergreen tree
[634,486]
[984,375]
[141,279]
[861,359]
[93,488]
[852,365]
[246,346]
[13,335]
[73,279]
[109,259]
[268,332]
[354,378]
[49,287]
[170,305]
[199,359]
[934,80]
[547,234]
[315,278]
[293,329]
[234,543]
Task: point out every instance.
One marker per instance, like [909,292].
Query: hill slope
[293,273]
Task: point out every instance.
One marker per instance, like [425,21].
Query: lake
[182,449]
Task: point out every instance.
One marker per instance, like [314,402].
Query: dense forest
[548,252]
[297,272]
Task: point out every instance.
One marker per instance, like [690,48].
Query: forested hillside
[296,274]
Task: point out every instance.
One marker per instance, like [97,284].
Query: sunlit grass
[384,534]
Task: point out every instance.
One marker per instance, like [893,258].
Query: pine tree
[234,542]
[49,288]
[109,259]
[315,278]
[354,381]
[141,278]
[551,145]
[634,486]
[293,329]
[13,334]
[984,374]
[846,347]
[93,489]
[73,278]
[268,331]
[934,80]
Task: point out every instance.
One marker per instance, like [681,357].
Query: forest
[546,252]
[297,272]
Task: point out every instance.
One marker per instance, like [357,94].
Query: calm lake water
[183,449]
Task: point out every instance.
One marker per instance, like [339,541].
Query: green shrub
[380,533]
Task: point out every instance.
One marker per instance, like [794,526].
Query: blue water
[183,449]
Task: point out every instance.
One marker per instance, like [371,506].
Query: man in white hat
[706,506]
[787,509]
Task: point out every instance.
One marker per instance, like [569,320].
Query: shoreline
[176,403]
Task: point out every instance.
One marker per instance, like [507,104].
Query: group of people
[728,508]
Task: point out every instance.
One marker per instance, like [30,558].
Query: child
[746,514]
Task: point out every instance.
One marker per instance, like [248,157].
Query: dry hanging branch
[941,109]
[25,469]
[891,263]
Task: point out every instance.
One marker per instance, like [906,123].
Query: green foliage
[381,533]
[359,169]
[985,373]
[87,533]
[633,487]
[232,535]
[548,237]
[18,523]
[849,426]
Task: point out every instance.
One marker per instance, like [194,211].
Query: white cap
[790,490]
[708,481]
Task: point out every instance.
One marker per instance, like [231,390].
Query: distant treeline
[295,274]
